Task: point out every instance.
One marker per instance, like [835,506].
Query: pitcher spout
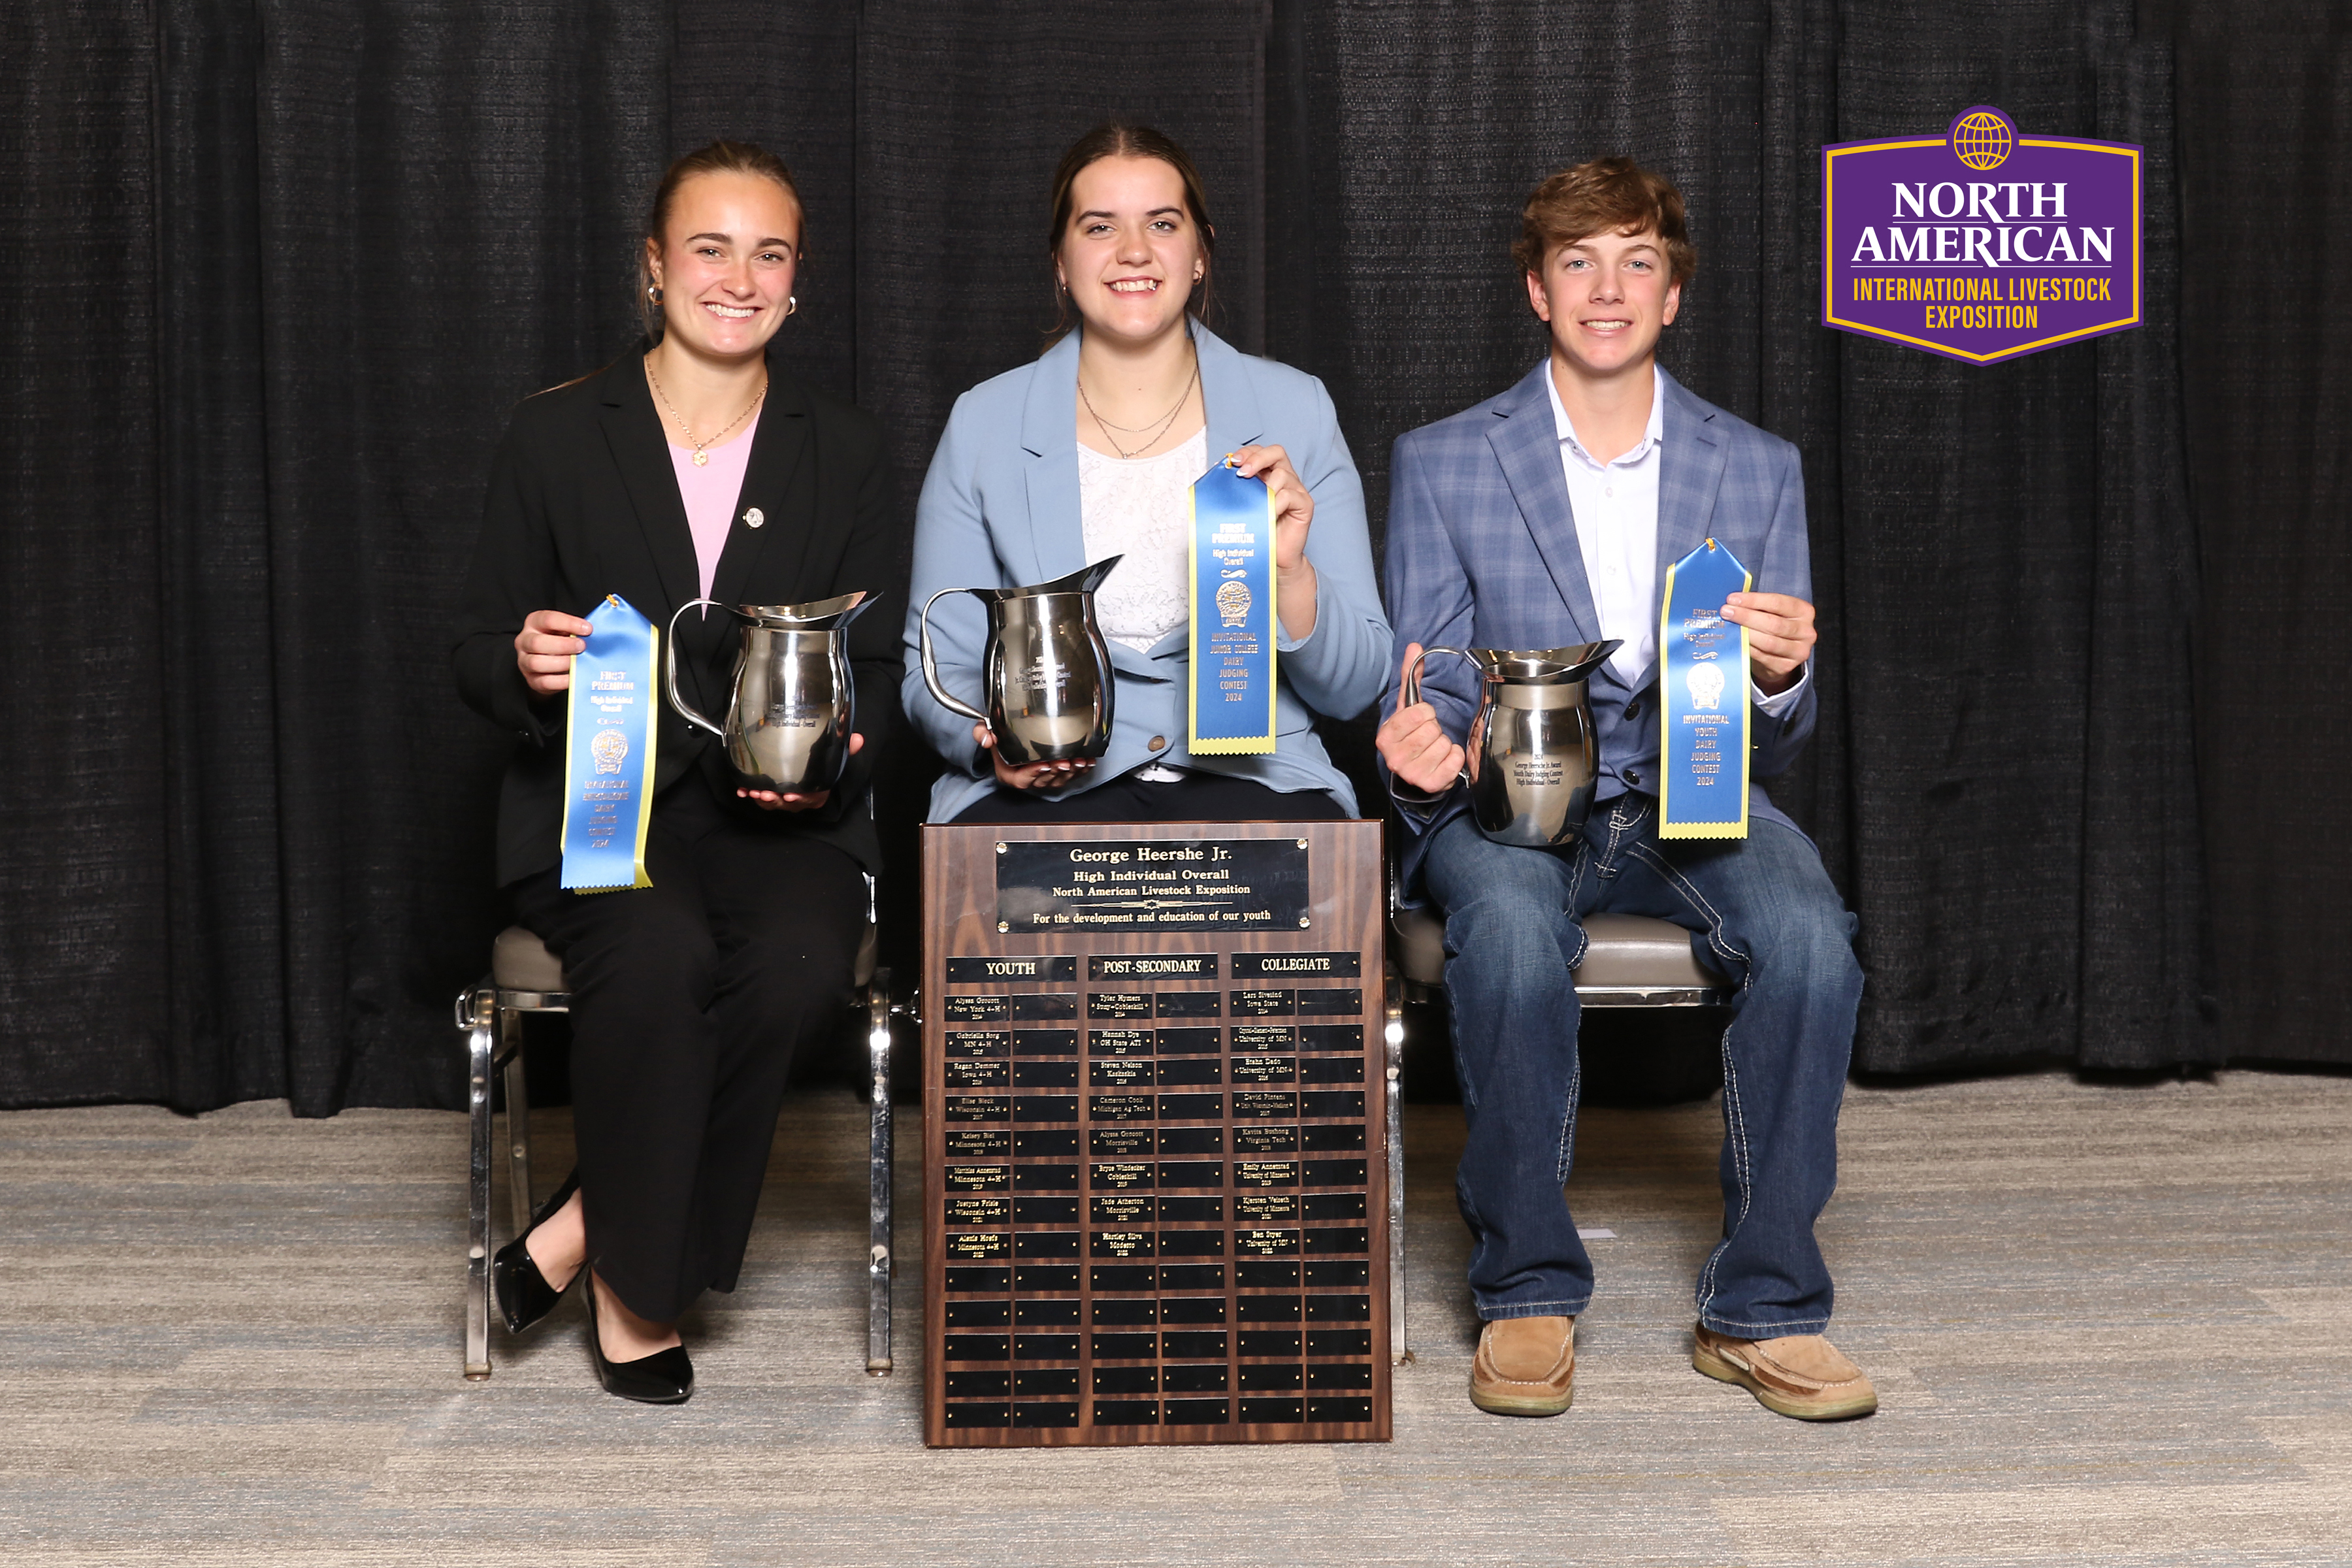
[819,615]
[1550,666]
[1085,580]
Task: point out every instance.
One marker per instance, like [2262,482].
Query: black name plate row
[1049,969]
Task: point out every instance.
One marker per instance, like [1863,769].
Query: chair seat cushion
[1636,951]
[520,961]
[1620,951]
[1421,944]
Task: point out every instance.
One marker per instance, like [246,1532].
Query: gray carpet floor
[2106,1324]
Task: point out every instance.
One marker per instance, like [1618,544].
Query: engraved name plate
[1297,965]
[1106,885]
[1151,965]
[1046,967]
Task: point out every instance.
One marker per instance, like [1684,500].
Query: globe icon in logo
[1981,139]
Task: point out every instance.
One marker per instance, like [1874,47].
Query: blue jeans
[1764,914]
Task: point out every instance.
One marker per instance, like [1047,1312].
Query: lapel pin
[753,517]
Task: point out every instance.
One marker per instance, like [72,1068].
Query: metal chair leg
[517,1118]
[477,1013]
[1393,996]
[879,1265]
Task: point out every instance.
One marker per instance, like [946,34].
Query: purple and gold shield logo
[1981,244]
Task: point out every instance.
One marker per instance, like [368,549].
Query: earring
[791,303]
[653,292]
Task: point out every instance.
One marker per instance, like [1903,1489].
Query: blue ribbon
[608,752]
[1231,703]
[1702,699]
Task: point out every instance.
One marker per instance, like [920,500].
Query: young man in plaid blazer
[1546,517]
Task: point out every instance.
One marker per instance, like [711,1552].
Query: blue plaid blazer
[1482,552]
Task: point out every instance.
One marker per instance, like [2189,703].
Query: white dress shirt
[1616,515]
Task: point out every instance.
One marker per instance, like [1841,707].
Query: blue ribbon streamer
[1231,703]
[1702,699]
[608,752]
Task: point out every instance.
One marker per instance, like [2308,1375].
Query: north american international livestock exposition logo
[1981,244]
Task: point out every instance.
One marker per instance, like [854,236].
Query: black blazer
[584,502]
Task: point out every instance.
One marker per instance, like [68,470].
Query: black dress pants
[688,999]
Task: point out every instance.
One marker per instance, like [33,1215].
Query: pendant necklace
[701,458]
[1157,427]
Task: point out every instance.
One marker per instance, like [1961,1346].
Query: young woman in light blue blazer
[1089,452]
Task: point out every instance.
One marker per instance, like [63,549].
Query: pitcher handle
[669,668]
[1413,671]
[930,666]
[1411,694]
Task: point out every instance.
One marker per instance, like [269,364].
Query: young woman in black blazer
[688,996]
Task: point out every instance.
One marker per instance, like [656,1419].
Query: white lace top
[1135,507]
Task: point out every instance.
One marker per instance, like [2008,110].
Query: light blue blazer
[1000,509]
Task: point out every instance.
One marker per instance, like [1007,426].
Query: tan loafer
[1526,1366]
[1802,1375]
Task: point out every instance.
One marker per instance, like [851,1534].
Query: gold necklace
[1157,427]
[701,458]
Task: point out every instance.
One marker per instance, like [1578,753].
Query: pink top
[711,493]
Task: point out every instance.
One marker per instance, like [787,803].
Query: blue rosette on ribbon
[1231,709]
[608,752]
[1702,712]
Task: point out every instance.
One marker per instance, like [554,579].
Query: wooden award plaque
[1155,1202]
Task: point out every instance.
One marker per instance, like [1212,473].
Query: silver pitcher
[792,706]
[1530,757]
[1049,683]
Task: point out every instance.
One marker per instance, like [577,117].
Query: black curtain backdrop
[278,273]
[2266,110]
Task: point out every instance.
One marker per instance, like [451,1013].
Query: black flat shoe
[665,1377]
[524,1295]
